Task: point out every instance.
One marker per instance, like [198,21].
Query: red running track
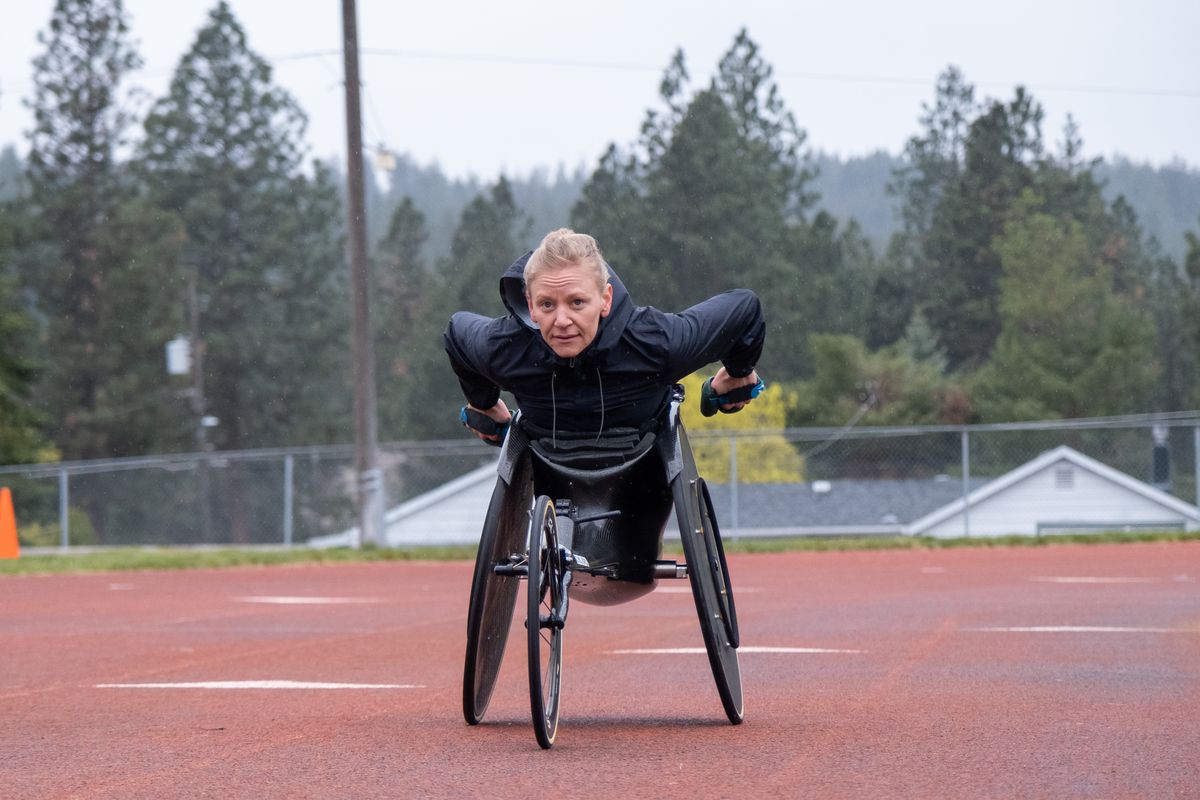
[1060,672]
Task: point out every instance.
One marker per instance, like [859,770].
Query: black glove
[711,402]
[482,423]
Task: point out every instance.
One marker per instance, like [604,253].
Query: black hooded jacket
[621,378]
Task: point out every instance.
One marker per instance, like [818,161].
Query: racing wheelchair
[583,518]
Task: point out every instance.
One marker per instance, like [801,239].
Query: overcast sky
[484,87]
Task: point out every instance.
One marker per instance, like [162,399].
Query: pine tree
[12,175]
[851,386]
[1070,346]
[1190,303]
[80,116]
[97,263]
[961,270]
[223,151]
[611,209]
[403,287]
[20,438]
[933,162]
[425,404]
[716,194]
[485,242]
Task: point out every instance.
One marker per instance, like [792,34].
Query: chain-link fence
[282,496]
[865,480]
[883,480]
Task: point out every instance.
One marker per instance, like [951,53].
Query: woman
[579,356]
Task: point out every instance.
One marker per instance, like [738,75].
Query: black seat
[621,471]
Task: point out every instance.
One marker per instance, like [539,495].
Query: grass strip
[167,558]
[846,543]
[173,558]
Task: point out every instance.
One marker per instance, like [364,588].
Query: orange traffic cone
[9,546]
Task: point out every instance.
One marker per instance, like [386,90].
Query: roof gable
[1045,461]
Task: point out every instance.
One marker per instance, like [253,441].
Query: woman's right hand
[498,413]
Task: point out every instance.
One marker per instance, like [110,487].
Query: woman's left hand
[723,383]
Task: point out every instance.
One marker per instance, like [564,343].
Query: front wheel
[544,623]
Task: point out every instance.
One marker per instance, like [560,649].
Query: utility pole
[370,478]
[200,405]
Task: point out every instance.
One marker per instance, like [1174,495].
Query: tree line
[1009,286]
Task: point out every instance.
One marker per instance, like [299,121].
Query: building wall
[457,519]
[1061,493]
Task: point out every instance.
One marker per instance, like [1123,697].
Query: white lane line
[307,601]
[120,587]
[257,685]
[1090,579]
[677,651]
[1080,629]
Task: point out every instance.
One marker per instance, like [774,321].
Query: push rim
[545,635]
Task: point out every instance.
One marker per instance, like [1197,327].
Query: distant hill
[545,198]
[1167,199]
[857,188]
[12,181]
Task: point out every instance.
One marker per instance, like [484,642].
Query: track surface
[1101,700]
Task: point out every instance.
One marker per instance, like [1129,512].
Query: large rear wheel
[718,566]
[493,599]
[711,588]
[545,621]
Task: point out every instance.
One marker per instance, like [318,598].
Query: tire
[710,586]
[493,599]
[719,567]
[544,621]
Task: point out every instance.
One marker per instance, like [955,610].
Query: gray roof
[454,513]
[847,503]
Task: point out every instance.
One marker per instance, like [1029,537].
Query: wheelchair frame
[521,541]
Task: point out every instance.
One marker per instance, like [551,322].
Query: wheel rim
[545,641]
[700,549]
[720,570]
[493,599]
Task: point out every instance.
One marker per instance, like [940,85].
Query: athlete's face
[566,305]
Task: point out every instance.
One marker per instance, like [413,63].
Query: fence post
[1196,461]
[289,471]
[64,510]
[733,485]
[966,481]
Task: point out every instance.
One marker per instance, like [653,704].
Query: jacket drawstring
[554,408]
[600,381]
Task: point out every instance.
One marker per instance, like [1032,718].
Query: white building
[453,513]
[1060,491]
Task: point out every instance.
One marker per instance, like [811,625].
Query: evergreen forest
[981,275]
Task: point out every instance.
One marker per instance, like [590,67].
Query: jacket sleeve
[728,328]
[468,344]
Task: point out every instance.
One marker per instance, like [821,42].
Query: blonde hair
[564,248]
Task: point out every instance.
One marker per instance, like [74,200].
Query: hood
[512,293]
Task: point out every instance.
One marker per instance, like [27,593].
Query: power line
[807,76]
